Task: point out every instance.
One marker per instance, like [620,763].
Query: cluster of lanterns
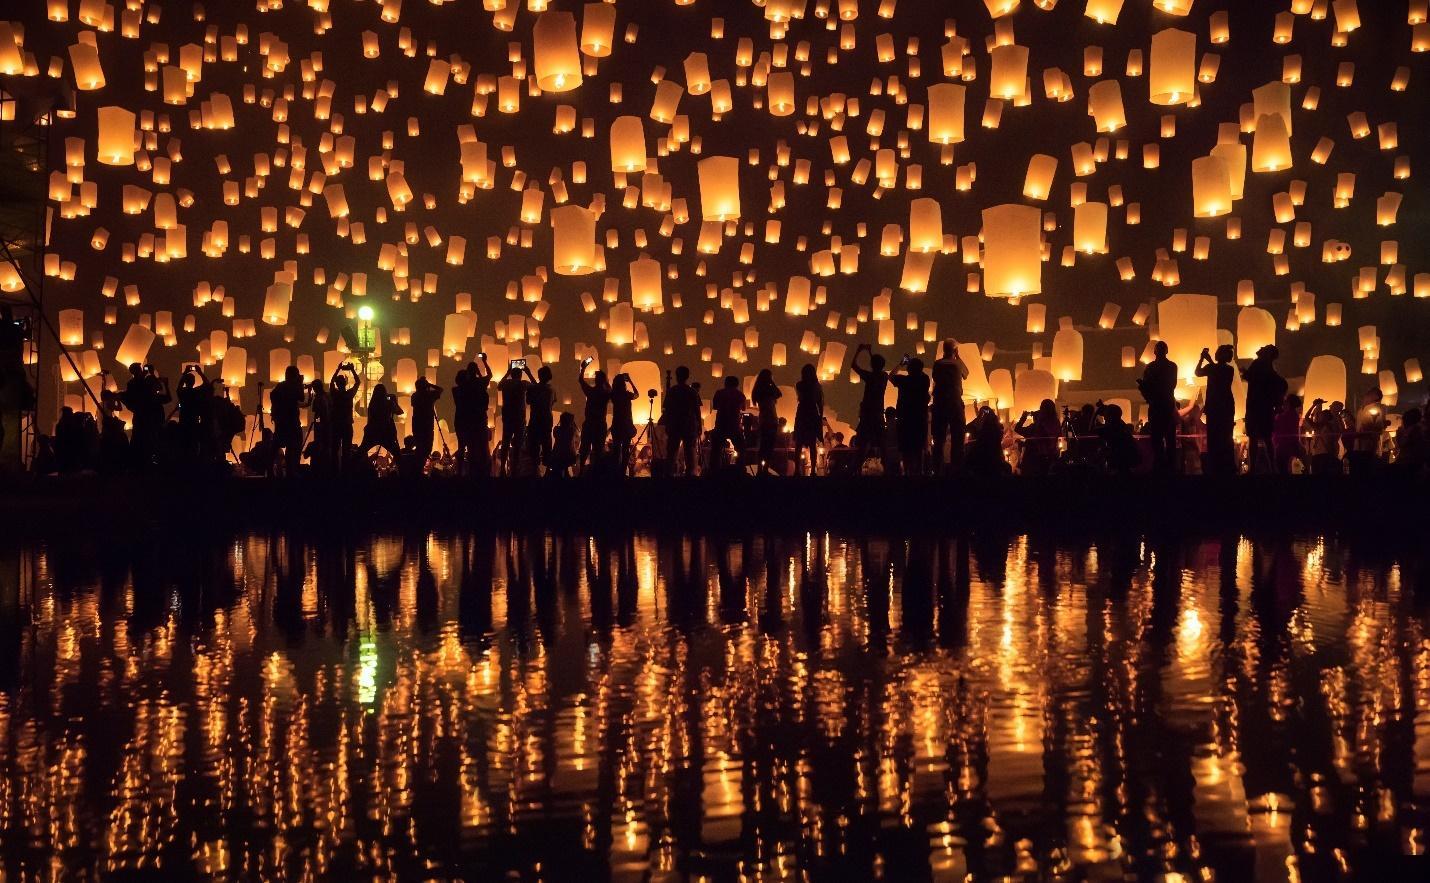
[723,184]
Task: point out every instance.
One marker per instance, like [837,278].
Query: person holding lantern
[869,434]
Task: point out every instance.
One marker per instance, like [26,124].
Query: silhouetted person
[912,407]
[1264,391]
[593,427]
[1325,426]
[1119,448]
[946,415]
[766,395]
[539,400]
[195,411]
[1040,431]
[258,460]
[1286,433]
[145,396]
[808,418]
[320,423]
[985,451]
[563,446]
[342,393]
[729,404]
[410,460]
[513,388]
[1158,386]
[1363,457]
[869,433]
[381,428]
[623,424]
[424,414]
[284,404]
[1412,445]
[1220,409]
[114,453]
[680,414]
[471,396]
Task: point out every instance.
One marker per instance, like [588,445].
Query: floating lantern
[1325,380]
[573,245]
[1173,73]
[1187,323]
[1211,187]
[719,188]
[1255,328]
[557,53]
[1012,250]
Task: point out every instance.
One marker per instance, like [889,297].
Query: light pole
[366,345]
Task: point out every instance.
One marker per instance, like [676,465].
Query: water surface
[642,707]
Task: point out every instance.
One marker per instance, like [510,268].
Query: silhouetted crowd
[309,426]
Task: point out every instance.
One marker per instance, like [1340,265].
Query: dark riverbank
[1382,505]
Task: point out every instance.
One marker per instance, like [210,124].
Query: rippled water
[693,707]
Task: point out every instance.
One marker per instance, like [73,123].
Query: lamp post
[366,345]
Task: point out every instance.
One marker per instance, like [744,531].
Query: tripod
[647,434]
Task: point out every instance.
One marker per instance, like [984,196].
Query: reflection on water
[667,708]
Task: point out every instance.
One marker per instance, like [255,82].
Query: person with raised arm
[593,428]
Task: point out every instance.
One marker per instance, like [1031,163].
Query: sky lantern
[1067,353]
[598,28]
[1255,328]
[116,136]
[1325,380]
[557,53]
[573,246]
[1187,323]
[1211,187]
[1090,228]
[1271,144]
[628,147]
[1038,182]
[1274,97]
[719,188]
[925,225]
[945,113]
[1104,105]
[1104,12]
[1008,78]
[1012,250]
[646,288]
[1172,76]
[1031,387]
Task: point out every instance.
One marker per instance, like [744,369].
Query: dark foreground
[1381,504]
[748,704]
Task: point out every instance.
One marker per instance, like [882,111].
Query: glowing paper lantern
[1012,250]
[1325,380]
[1104,105]
[1172,77]
[628,148]
[925,225]
[1255,328]
[946,113]
[1090,228]
[1038,182]
[573,246]
[1271,145]
[598,28]
[1031,387]
[135,346]
[1211,187]
[646,292]
[1187,323]
[1104,12]
[116,136]
[1067,354]
[558,57]
[1009,76]
[719,188]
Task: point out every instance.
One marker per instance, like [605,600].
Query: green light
[365,313]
